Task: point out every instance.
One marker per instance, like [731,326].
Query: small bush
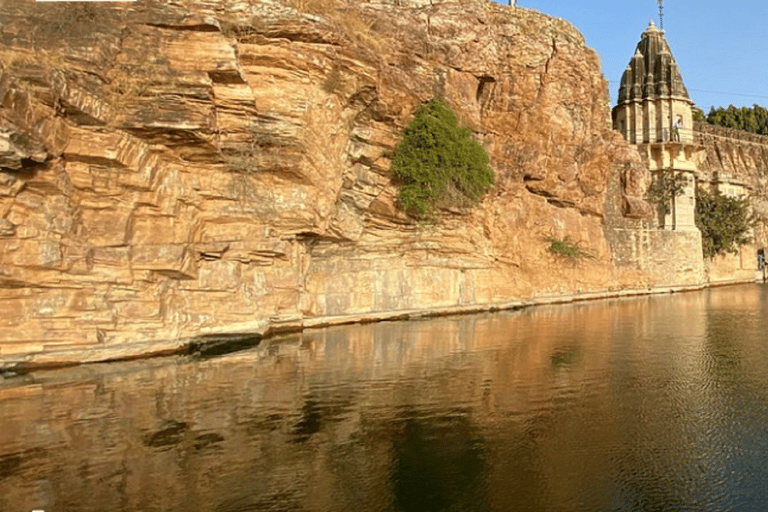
[724,222]
[438,163]
[71,24]
[567,249]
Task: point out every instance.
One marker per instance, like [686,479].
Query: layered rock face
[178,170]
[740,159]
[736,162]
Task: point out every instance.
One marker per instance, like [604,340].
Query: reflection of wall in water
[320,420]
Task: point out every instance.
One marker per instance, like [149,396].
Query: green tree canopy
[750,119]
[438,163]
[724,222]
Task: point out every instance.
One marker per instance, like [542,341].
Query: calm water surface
[654,403]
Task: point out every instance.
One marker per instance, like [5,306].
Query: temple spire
[652,71]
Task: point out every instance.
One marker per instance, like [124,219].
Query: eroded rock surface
[187,168]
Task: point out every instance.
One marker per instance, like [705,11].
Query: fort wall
[736,163]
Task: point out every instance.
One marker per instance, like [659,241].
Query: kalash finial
[661,14]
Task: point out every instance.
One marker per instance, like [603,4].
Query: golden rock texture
[177,170]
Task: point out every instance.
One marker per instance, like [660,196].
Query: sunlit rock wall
[736,162]
[172,170]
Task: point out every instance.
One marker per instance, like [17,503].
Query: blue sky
[720,47]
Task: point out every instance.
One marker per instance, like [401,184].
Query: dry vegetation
[127,84]
[71,23]
[316,6]
[358,27]
[11,59]
[247,157]
[56,26]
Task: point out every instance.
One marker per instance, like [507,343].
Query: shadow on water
[563,358]
[311,421]
[734,335]
[439,465]
[10,464]
[13,463]
[170,435]
[206,347]
[180,435]
[321,410]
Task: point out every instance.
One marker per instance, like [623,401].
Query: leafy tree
[724,222]
[751,119]
[730,117]
[714,116]
[438,163]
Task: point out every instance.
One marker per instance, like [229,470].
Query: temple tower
[655,113]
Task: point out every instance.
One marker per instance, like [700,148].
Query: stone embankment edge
[269,329]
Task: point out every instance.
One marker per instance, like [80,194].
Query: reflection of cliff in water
[549,408]
[346,418]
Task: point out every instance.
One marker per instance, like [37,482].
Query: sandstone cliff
[182,169]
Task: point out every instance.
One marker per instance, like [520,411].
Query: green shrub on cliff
[438,163]
[567,249]
[724,222]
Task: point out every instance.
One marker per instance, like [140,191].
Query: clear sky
[720,47]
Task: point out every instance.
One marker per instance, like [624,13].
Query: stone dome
[652,72]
